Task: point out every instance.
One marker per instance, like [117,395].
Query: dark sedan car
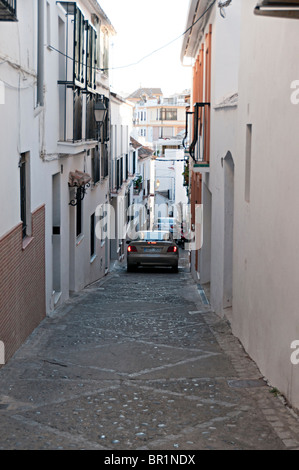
[152,249]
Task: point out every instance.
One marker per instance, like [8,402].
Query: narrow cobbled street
[138,361]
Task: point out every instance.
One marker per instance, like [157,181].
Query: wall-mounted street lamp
[278,8]
[80,181]
[100,112]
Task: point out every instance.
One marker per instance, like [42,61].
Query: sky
[142,27]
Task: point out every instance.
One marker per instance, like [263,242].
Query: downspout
[40,53]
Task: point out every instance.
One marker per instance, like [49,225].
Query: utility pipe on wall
[40,52]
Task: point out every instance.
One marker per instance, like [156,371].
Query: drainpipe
[40,53]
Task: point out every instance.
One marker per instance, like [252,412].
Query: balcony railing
[8,10]
[199,145]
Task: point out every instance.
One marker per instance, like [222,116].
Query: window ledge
[26,242]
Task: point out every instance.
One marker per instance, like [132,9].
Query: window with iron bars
[104,161]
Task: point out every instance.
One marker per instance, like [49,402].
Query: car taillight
[172,249]
[132,248]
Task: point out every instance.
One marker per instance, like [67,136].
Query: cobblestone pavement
[138,361]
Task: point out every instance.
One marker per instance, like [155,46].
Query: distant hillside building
[157,118]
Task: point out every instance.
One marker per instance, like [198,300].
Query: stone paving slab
[138,361]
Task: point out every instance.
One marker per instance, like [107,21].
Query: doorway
[56,238]
[229,170]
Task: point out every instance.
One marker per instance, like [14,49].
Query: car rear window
[166,221]
[153,236]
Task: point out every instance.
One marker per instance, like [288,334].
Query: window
[91,58]
[79,211]
[78,45]
[102,224]
[104,161]
[95,164]
[207,113]
[168,114]
[92,236]
[104,51]
[23,198]
[248,161]
[25,213]
[77,114]
[117,174]
[121,171]
[106,123]
[91,125]
[127,167]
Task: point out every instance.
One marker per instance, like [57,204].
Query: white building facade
[266,234]
[55,116]
[76,79]
[157,118]
[213,46]
[245,175]
[22,223]
[122,171]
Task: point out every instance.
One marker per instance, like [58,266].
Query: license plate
[152,250]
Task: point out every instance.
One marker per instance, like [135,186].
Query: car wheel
[130,269]
[175,269]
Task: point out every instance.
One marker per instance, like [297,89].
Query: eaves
[195,27]
[94,6]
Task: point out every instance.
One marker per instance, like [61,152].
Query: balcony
[199,149]
[8,10]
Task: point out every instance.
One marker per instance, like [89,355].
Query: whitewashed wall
[266,269]
[18,124]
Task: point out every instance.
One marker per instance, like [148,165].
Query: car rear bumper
[153,260]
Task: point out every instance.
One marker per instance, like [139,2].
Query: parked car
[152,248]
